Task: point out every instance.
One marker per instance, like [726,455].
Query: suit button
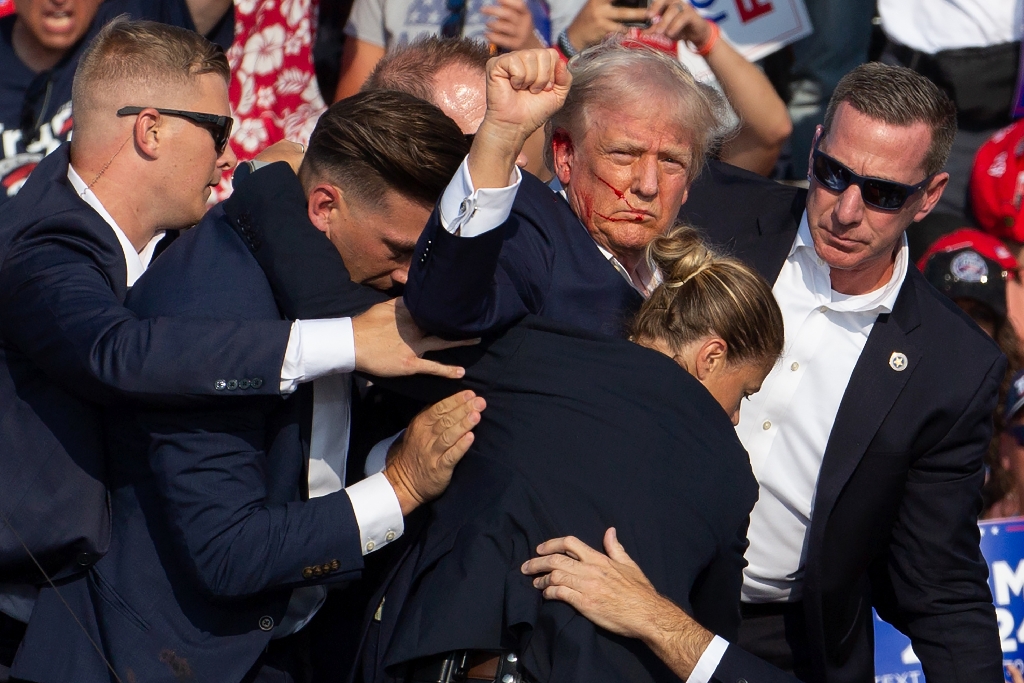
[244,384]
[266,623]
[335,565]
[256,383]
[232,384]
[317,570]
[220,385]
[389,536]
[85,559]
[327,568]
[307,573]
[741,680]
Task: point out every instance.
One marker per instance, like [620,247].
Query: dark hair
[702,294]
[380,140]
[900,97]
[413,68]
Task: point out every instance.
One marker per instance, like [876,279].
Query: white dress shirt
[316,349]
[786,426]
[931,26]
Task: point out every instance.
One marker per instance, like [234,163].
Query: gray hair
[614,71]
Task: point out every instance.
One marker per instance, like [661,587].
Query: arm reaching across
[612,591]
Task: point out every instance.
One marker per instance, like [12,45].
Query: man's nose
[645,178]
[849,209]
[227,159]
[400,275]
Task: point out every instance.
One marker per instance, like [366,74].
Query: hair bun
[680,255]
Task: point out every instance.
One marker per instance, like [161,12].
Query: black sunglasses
[219,126]
[886,195]
[455,22]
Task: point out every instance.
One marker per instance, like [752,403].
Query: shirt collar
[135,262]
[878,301]
[646,274]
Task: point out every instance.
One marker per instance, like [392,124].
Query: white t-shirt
[934,25]
[392,23]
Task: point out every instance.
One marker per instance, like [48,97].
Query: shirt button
[766,426]
[370,545]
[389,536]
[266,623]
[794,367]
[822,309]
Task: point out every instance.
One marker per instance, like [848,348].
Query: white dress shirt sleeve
[709,661]
[377,511]
[317,348]
[469,212]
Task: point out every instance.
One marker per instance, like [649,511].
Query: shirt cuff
[317,348]
[378,456]
[377,511]
[469,212]
[709,661]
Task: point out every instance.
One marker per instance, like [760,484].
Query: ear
[711,357]
[326,206]
[562,152]
[932,193]
[148,133]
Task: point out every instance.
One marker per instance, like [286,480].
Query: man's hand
[611,591]
[388,344]
[284,150]
[510,26]
[523,90]
[597,19]
[420,464]
[678,20]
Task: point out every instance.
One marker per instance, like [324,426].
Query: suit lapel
[873,389]
[766,252]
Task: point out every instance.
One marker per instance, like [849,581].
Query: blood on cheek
[637,215]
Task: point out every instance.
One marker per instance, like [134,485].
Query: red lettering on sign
[752,9]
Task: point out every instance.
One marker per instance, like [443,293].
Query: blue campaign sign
[1002,544]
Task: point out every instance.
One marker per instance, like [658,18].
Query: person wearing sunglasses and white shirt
[867,438]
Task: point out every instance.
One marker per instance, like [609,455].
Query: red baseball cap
[997,184]
[968,263]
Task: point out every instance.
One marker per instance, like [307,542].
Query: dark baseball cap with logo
[972,265]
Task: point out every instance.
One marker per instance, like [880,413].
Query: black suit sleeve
[937,577]
[737,666]
[305,271]
[59,308]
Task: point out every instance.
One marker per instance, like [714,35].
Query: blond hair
[705,294]
[131,57]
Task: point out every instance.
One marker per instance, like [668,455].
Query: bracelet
[565,46]
[705,49]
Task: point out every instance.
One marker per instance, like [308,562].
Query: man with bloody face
[631,136]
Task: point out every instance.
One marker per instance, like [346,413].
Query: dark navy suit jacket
[541,260]
[210,526]
[899,492]
[67,344]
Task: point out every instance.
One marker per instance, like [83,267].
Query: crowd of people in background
[227,451]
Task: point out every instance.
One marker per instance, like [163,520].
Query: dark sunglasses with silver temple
[878,193]
[219,126]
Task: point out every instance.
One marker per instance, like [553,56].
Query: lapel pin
[898,361]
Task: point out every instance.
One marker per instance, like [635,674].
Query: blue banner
[1002,544]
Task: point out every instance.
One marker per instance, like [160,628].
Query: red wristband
[705,49]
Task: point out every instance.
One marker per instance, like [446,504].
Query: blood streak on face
[637,215]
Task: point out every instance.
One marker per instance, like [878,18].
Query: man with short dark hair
[231,520]
[868,452]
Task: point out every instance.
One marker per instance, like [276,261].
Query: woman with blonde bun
[713,315]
